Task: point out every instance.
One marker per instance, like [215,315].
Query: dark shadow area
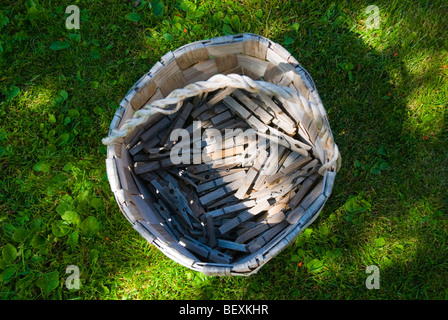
[404,204]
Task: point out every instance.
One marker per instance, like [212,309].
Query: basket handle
[236,81]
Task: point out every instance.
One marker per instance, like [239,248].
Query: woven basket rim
[252,262]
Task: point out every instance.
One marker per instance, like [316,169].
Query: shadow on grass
[373,122]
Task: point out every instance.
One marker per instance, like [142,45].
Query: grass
[386,93]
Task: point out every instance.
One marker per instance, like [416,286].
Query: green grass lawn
[386,93]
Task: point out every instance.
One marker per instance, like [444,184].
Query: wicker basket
[224,209]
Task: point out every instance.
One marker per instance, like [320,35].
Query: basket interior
[229,200]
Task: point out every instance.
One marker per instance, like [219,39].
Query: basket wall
[247,54]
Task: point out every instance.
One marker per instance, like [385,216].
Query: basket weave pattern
[256,210]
